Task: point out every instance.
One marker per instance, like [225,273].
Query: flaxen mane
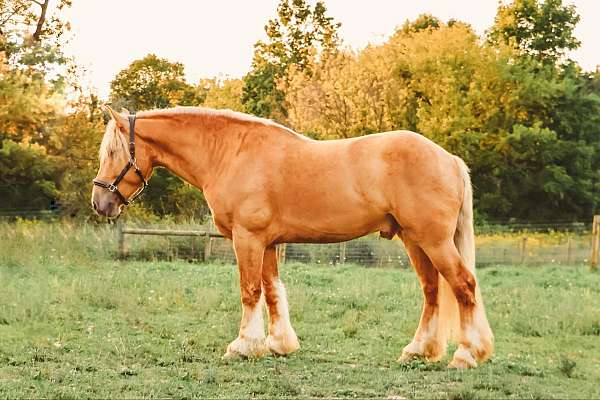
[114,144]
[212,113]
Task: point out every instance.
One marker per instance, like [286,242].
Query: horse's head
[125,166]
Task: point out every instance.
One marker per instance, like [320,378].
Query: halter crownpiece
[114,187]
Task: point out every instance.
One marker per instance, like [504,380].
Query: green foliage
[27,106]
[223,94]
[28,176]
[42,148]
[530,132]
[76,139]
[532,167]
[541,29]
[423,22]
[294,38]
[153,82]
[168,194]
[526,119]
[260,94]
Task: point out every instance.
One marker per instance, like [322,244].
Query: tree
[29,177]
[423,22]
[32,15]
[529,132]
[31,35]
[27,104]
[153,82]
[542,30]
[294,38]
[328,105]
[394,86]
[223,94]
[30,103]
[76,139]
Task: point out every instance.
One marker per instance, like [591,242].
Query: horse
[266,184]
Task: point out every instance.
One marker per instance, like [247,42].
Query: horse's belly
[337,227]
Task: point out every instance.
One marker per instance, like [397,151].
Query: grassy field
[75,323]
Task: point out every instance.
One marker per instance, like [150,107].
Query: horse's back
[355,185]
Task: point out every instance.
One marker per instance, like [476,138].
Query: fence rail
[531,247]
[207,235]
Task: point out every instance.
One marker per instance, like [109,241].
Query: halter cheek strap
[114,187]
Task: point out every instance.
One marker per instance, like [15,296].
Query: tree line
[510,102]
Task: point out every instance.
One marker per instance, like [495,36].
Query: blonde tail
[464,239]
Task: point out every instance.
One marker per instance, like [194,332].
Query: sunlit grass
[74,322]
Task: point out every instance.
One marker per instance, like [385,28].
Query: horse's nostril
[95,205]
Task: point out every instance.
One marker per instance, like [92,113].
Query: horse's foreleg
[249,252]
[282,339]
[425,342]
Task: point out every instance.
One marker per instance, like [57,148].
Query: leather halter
[114,187]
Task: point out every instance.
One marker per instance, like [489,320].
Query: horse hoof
[283,345]
[407,357]
[430,351]
[462,359]
[245,348]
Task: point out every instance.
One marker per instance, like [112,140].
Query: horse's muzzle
[105,203]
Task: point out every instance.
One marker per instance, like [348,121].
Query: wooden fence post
[342,252]
[281,253]
[121,241]
[595,243]
[569,250]
[523,250]
[208,248]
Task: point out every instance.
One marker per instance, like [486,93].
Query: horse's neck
[198,150]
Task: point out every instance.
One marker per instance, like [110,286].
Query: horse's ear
[121,121]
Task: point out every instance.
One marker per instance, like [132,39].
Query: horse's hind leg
[282,339]
[425,342]
[475,339]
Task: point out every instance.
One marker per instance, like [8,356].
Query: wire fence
[531,244]
[500,243]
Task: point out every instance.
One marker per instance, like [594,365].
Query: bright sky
[216,37]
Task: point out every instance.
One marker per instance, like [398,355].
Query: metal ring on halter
[114,187]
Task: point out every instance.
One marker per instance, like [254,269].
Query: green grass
[74,323]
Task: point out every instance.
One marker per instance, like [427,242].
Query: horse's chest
[223,225]
[249,210]
[221,213]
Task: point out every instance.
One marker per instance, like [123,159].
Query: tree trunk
[36,38]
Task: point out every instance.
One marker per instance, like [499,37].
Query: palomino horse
[266,185]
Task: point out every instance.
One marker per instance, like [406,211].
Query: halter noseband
[114,187]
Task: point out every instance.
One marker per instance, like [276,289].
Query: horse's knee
[251,294]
